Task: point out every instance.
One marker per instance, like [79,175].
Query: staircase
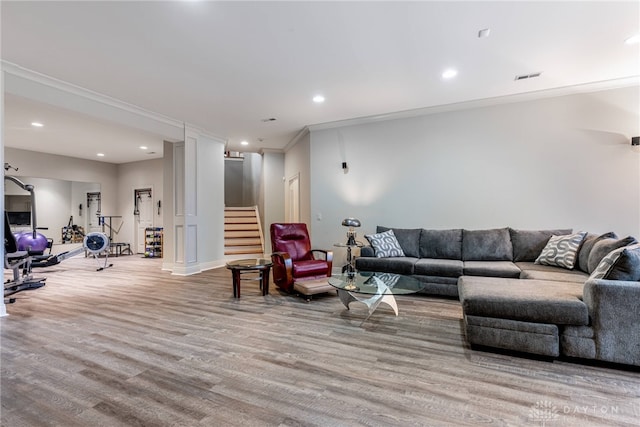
[242,232]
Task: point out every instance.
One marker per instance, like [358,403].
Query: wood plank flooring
[136,346]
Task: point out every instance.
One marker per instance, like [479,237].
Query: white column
[194,183]
[3,308]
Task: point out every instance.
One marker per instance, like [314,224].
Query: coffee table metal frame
[374,288]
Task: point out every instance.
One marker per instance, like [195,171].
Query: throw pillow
[385,244]
[408,239]
[620,264]
[561,251]
[604,247]
[587,247]
[527,244]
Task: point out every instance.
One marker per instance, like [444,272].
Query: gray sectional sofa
[511,302]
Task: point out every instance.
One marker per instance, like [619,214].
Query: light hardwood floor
[133,345]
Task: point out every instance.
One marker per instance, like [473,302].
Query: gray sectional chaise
[513,303]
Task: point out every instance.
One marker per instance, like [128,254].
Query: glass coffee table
[373,288]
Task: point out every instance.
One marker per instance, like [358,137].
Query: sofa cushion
[438,267]
[313,267]
[398,265]
[561,251]
[558,275]
[408,238]
[532,270]
[487,245]
[441,244]
[527,244]
[538,301]
[491,269]
[385,244]
[620,264]
[603,246]
[587,246]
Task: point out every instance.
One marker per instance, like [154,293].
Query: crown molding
[301,134]
[168,127]
[43,79]
[478,103]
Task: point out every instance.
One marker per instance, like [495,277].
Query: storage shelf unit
[153,237]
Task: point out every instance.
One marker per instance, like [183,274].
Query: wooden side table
[256,265]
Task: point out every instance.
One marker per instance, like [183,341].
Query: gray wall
[555,162]
[242,180]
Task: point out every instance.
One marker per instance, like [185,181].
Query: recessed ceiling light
[449,74]
[633,39]
[318,99]
[143,147]
[36,124]
[244,143]
[100,154]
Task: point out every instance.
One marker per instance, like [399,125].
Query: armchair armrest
[614,310]
[328,256]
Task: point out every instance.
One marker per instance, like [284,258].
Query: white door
[144,218]
[93,212]
[294,199]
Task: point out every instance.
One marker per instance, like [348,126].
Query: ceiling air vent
[527,76]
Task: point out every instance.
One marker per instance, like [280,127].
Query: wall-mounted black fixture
[635,141]
[345,167]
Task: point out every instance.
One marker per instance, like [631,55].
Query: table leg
[371,302]
[264,281]
[236,283]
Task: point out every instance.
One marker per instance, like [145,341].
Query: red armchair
[293,259]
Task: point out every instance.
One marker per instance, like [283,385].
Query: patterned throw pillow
[561,251]
[619,264]
[385,244]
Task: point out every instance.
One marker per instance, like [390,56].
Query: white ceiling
[225,66]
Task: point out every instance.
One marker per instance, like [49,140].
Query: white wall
[42,165]
[210,203]
[53,203]
[115,182]
[555,162]
[272,205]
[297,161]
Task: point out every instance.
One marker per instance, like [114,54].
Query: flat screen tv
[19,218]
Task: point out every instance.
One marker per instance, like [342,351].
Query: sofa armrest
[614,311]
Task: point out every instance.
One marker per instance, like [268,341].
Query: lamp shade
[351,222]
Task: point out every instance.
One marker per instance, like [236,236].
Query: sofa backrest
[408,239]
[441,244]
[487,245]
[527,244]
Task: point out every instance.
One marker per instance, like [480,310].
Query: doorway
[93,212]
[143,215]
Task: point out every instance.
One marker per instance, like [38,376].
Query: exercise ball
[26,242]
